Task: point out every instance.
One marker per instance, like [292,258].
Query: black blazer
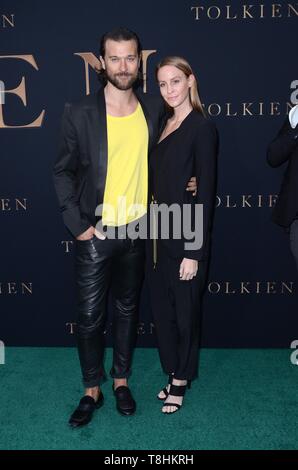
[189,151]
[284,148]
[81,167]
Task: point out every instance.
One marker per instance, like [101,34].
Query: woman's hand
[188,269]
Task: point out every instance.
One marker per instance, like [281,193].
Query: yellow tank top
[125,196]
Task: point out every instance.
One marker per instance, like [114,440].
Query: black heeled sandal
[177,391]
[165,390]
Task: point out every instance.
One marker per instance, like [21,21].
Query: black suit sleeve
[65,176]
[206,148]
[283,145]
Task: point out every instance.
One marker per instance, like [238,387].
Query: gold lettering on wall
[229,17]
[274,109]
[13,288]
[26,288]
[90,60]
[259,108]
[291,9]
[21,204]
[71,327]
[68,243]
[229,113]
[215,15]
[245,11]
[20,91]
[251,287]
[6,204]
[246,200]
[276,10]
[8,21]
[145,55]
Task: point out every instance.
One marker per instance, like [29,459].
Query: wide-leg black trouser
[176,309]
[118,263]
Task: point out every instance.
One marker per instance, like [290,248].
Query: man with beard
[102,161]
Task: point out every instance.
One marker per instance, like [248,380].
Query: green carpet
[243,399]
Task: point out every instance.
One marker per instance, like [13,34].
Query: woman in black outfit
[176,272]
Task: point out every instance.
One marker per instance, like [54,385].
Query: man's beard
[116,80]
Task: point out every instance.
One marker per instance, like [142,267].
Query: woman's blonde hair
[184,66]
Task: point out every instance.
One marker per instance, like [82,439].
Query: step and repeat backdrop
[245,59]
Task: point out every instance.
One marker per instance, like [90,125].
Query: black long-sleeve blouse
[190,150]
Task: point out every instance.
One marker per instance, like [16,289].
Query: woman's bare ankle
[179,382]
[92,392]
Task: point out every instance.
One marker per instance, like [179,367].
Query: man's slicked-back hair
[119,34]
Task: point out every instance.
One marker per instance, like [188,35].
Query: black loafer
[125,403]
[83,413]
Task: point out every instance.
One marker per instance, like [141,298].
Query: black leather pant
[118,263]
